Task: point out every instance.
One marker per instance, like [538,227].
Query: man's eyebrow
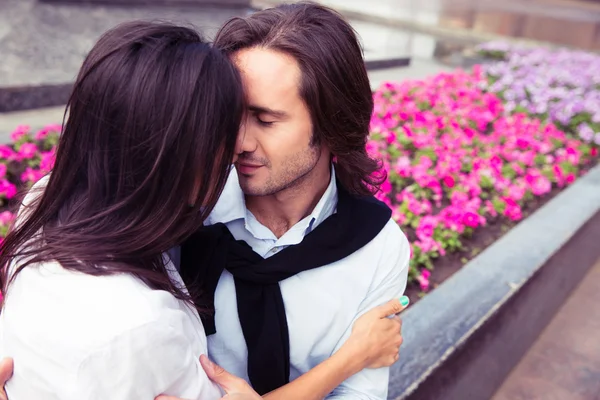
[266,110]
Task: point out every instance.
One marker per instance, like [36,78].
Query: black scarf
[212,249]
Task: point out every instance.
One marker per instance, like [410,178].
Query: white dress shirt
[321,304]
[80,337]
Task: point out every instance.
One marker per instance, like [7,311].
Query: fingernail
[404,300]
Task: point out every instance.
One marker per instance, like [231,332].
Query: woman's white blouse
[80,337]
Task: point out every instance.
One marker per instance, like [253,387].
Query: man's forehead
[267,71]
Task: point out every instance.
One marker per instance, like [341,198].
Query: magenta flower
[6,218]
[426,227]
[45,131]
[31,175]
[47,161]
[6,153]
[19,132]
[512,210]
[449,181]
[423,279]
[7,189]
[28,151]
[541,186]
[471,219]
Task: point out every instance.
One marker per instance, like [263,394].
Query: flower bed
[22,163]
[562,86]
[462,168]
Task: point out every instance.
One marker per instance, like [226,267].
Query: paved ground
[46,43]
[564,363]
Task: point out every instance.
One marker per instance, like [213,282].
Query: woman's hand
[6,371]
[375,338]
[235,388]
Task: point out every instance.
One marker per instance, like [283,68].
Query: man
[321,251]
[303,152]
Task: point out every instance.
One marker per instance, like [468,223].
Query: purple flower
[585,132]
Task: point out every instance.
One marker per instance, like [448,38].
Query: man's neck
[282,210]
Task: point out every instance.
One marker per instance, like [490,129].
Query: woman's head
[151,130]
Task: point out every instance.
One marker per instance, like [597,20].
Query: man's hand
[6,371]
[235,388]
[376,338]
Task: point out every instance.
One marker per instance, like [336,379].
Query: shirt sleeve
[390,282]
[150,360]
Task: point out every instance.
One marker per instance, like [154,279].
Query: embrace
[209,228]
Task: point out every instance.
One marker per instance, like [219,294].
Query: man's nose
[246,142]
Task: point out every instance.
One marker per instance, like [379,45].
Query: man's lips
[246,168]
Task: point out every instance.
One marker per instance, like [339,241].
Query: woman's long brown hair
[145,152]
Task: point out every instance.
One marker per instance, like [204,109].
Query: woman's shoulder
[47,304]
[69,328]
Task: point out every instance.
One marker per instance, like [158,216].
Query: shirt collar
[231,205]
[326,205]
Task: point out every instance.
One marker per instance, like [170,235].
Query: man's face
[277,134]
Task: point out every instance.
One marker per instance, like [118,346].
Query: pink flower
[470,219]
[390,137]
[541,186]
[398,216]
[372,147]
[512,210]
[6,153]
[413,205]
[403,167]
[559,175]
[6,218]
[19,132]
[426,227]
[458,198]
[423,279]
[28,151]
[47,161]
[489,206]
[7,189]
[31,175]
[386,187]
[428,244]
[451,217]
[449,181]
[45,131]
[516,192]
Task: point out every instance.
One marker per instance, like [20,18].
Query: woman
[94,309]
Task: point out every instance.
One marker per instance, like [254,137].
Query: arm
[374,342]
[389,282]
[320,380]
